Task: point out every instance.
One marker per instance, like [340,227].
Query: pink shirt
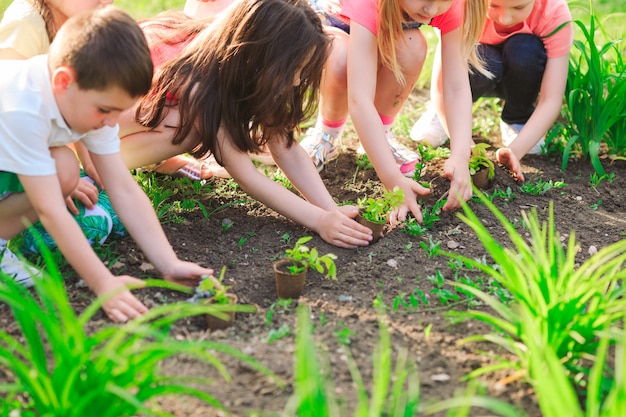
[365,13]
[161,51]
[545,18]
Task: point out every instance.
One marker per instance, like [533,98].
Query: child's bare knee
[68,170]
[336,70]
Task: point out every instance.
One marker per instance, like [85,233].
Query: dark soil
[397,264]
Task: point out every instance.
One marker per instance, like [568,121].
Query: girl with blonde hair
[377,55]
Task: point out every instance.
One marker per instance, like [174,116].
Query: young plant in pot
[482,169]
[374,211]
[212,291]
[291,269]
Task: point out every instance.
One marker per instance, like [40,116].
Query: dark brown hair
[105,47]
[238,74]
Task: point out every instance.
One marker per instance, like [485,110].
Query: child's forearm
[74,246]
[137,214]
[280,199]
[297,167]
[46,198]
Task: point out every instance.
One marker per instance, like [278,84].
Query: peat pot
[288,285]
[377,228]
[216,323]
[481,178]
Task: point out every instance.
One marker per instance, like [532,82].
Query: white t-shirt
[23,29]
[31,122]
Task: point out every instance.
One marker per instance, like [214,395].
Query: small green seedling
[211,288]
[376,209]
[479,160]
[304,258]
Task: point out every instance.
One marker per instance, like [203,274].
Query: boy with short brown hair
[98,65]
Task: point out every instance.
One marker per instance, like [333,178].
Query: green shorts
[9,184]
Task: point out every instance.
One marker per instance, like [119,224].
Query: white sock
[387,128]
[335,132]
[3,243]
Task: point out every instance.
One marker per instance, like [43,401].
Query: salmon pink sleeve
[451,19]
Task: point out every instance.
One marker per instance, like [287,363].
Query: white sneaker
[405,158]
[320,146]
[510,132]
[429,129]
[19,270]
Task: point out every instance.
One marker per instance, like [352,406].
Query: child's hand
[508,158]
[412,190]
[457,171]
[186,273]
[339,228]
[123,306]
[85,192]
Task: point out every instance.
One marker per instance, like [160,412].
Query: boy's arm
[319,214]
[44,194]
[136,213]
[545,113]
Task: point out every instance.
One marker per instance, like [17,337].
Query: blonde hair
[46,14]
[390,32]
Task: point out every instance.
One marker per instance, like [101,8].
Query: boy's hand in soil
[457,171]
[186,273]
[123,306]
[509,160]
[338,227]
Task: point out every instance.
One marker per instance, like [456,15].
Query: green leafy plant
[394,390]
[562,304]
[376,209]
[556,394]
[429,153]
[304,258]
[65,370]
[479,160]
[363,162]
[213,289]
[595,97]
[539,186]
[227,224]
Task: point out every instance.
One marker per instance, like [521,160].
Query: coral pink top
[161,51]
[365,13]
[543,21]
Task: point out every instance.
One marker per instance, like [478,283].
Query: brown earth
[342,310]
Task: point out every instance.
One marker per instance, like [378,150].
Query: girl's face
[508,13]
[422,11]
[65,9]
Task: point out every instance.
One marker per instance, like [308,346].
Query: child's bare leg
[334,86]
[390,95]
[16,211]
[320,142]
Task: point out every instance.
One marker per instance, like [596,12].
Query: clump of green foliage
[595,102]
[211,288]
[63,369]
[558,303]
[376,209]
[304,258]
[479,160]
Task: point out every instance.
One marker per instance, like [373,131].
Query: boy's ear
[62,78]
